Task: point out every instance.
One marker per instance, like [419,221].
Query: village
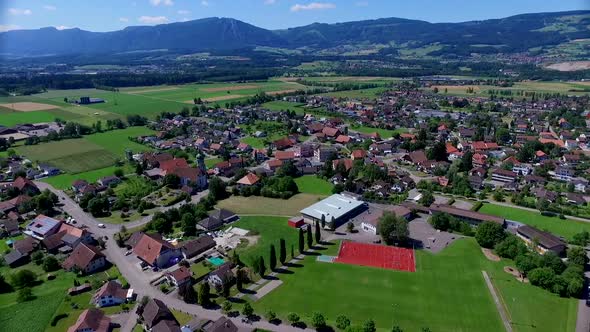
[411,169]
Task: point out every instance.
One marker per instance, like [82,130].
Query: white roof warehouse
[338,206]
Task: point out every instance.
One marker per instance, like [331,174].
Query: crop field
[569,88]
[448,286]
[352,79]
[357,94]
[117,141]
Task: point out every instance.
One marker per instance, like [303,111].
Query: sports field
[561,227]
[446,293]
[376,255]
[91,152]
[258,205]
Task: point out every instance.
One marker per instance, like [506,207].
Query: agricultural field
[561,227]
[257,205]
[285,106]
[215,92]
[448,286]
[311,184]
[357,94]
[89,153]
[352,79]
[569,88]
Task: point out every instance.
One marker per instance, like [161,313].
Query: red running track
[376,255]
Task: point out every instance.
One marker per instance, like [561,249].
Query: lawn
[280,105]
[447,293]
[10,119]
[311,184]
[212,162]
[72,155]
[259,205]
[561,227]
[384,133]
[117,141]
[271,230]
[65,181]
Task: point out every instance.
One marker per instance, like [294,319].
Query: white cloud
[162,2]
[183,12]
[362,4]
[49,7]
[62,27]
[18,11]
[205,3]
[123,19]
[313,6]
[9,27]
[153,19]
[270,2]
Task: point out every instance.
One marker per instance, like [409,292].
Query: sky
[109,15]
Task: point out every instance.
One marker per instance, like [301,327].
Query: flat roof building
[337,207]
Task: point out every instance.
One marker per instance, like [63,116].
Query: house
[575,199]
[345,162]
[111,293]
[10,227]
[370,219]
[358,155]
[91,320]
[248,180]
[217,219]
[42,226]
[504,176]
[156,252]
[25,186]
[156,316]
[322,153]
[85,258]
[108,181]
[545,241]
[193,248]
[21,252]
[343,139]
[221,275]
[417,157]
[179,276]
[223,324]
[331,132]
[563,173]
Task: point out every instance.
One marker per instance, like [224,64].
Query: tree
[172,181]
[369,326]
[489,233]
[247,310]
[204,294]
[318,321]
[301,241]
[24,294]
[510,247]
[581,239]
[323,221]
[350,227]
[525,263]
[272,264]
[466,161]
[98,206]
[393,229]
[261,267]
[270,316]
[440,221]
[37,257]
[427,198]
[50,264]
[396,329]
[309,238]
[189,227]
[438,151]
[577,255]
[241,278]
[188,293]
[293,318]
[23,278]
[543,277]
[217,188]
[226,307]
[282,251]
[342,322]
[318,234]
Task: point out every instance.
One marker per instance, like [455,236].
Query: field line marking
[501,308]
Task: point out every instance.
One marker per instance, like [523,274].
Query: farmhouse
[545,241]
[196,247]
[336,210]
[85,258]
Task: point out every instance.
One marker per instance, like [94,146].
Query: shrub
[57,318]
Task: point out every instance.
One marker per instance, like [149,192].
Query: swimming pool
[216,261]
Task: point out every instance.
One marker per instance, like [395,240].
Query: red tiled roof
[82,256]
[149,247]
[169,166]
[285,155]
[91,320]
[249,179]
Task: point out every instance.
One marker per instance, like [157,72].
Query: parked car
[101,226]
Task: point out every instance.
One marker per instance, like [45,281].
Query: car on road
[128,252]
[101,226]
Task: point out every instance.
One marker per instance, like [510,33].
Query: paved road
[583,321]
[137,279]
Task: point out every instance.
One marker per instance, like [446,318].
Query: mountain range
[512,34]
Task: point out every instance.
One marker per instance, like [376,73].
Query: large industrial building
[336,209]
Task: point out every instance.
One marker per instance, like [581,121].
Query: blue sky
[108,15]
